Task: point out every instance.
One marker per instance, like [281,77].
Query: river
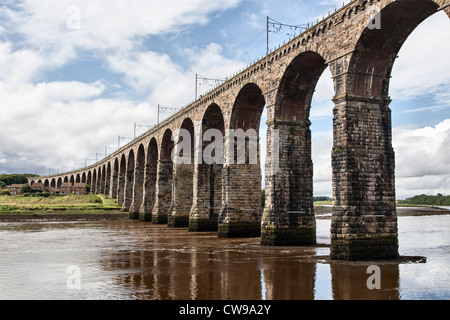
[133,260]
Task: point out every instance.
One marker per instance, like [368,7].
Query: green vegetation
[316,199]
[322,201]
[57,204]
[438,200]
[8,179]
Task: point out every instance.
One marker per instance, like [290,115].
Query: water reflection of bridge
[197,268]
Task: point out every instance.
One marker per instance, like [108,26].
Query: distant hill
[438,200]
[8,179]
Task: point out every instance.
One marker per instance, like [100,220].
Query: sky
[75,75]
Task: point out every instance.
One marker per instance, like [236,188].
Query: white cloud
[39,122]
[18,66]
[422,67]
[422,151]
[107,26]
[322,104]
[168,83]
[321,148]
[52,123]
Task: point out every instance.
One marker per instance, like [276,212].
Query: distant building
[66,188]
[14,189]
[38,187]
[53,191]
[79,188]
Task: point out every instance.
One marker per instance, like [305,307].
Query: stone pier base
[178,221]
[203,225]
[133,215]
[145,217]
[288,236]
[376,247]
[239,230]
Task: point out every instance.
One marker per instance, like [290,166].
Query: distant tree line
[263,198]
[438,200]
[322,199]
[9,179]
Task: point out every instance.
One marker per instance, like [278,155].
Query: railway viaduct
[359,43]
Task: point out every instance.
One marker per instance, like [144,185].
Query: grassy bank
[57,204]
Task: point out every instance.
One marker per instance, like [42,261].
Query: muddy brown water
[125,259]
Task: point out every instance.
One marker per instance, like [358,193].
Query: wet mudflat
[125,259]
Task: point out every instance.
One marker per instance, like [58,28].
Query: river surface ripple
[135,260]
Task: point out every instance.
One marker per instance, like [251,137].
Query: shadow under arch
[164,180]
[240,216]
[138,184]
[121,180]
[129,181]
[151,170]
[288,217]
[207,199]
[183,175]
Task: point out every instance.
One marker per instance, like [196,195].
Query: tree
[16,178]
[25,189]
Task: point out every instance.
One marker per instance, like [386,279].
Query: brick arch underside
[377,48]
[242,170]
[288,217]
[207,186]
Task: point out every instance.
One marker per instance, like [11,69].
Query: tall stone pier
[214,191]
[364,224]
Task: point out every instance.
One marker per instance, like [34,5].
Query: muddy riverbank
[324,212]
[63,217]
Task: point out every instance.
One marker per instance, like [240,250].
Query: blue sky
[74,75]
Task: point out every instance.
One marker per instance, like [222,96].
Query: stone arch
[66,179]
[240,214]
[99,180]
[378,46]
[151,172]
[78,178]
[208,169]
[129,181]
[167,145]
[138,188]
[94,181]
[107,190]
[121,180]
[288,217]
[183,175]
[297,87]
[102,178]
[114,179]
[60,182]
[363,136]
[164,180]
[83,178]
[46,183]
[72,179]
[53,183]
[89,180]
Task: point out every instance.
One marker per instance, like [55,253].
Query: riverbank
[97,207]
[325,211]
[45,217]
[59,208]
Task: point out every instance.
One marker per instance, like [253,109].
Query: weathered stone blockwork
[224,197]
